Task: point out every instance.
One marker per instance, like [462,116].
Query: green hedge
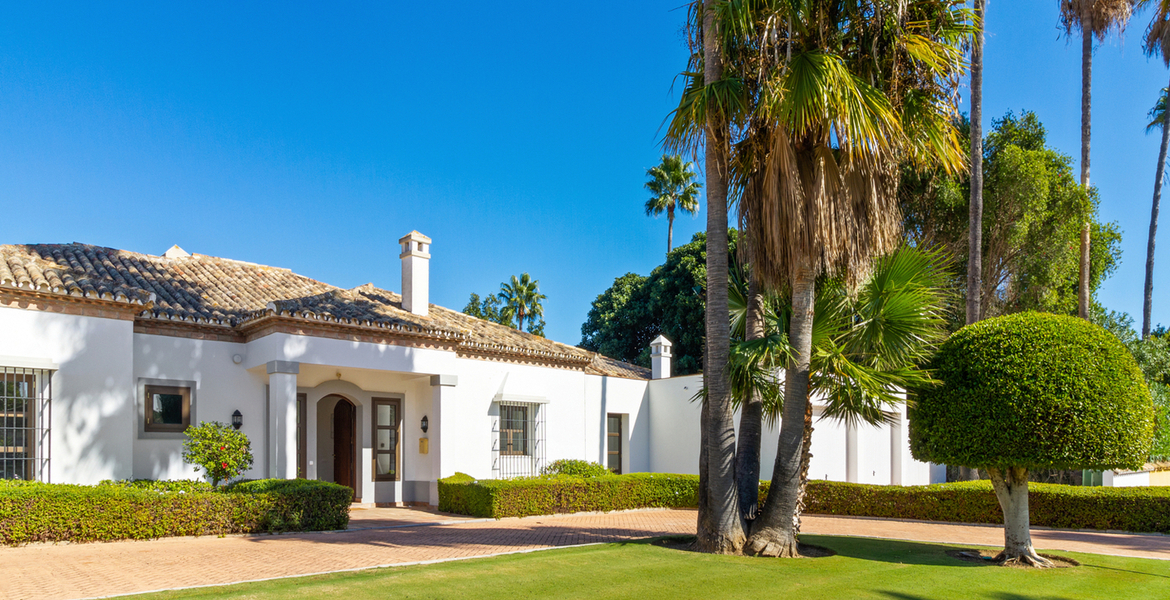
[564,494]
[1138,509]
[1128,509]
[39,512]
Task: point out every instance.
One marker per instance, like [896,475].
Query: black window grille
[513,430]
[518,441]
[25,421]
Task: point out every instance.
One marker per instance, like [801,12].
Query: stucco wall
[674,441]
[93,419]
[221,387]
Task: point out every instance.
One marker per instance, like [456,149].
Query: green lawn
[863,568]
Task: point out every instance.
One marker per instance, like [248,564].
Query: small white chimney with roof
[416,272]
[660,358]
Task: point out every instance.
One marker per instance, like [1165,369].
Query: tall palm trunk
[975,214]
[1086,130]
[1148,304]
[774,531]
[751,418]
[669,228]
[723,531]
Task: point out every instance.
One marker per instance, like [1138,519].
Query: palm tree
[672,185]
[975,212]
[522,298]
[975,218]
[849,90]
[1092,18]
[723,524]
[704,119]
[1157,43]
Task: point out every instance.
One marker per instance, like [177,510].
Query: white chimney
[416,272]
[660,358]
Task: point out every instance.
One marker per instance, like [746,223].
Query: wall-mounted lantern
[425,424]
[237,420]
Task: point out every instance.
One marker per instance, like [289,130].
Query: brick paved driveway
[395,536]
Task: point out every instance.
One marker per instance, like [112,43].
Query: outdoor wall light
[425,424]
[237,420]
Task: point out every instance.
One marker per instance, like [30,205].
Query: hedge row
[1137,509]
[1128,509]
[39,512]
[565,494]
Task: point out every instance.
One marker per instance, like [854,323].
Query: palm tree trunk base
[717,544]
[773,543]
[1027,558]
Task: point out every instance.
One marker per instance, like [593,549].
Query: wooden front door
[344,444]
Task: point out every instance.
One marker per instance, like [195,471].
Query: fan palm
[672,186]
[866,346]
[521,298]
[1157,43]
[824,99]
[1092,18]
[850,90]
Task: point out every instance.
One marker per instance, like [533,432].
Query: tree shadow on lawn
[894,551]
[919,553]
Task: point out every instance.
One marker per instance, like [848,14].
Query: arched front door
[345,444]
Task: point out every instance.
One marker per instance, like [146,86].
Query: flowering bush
[222,452]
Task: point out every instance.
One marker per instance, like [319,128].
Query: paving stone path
[380,537]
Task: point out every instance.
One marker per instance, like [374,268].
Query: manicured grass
[863,568]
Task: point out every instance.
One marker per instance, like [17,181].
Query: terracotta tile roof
[206,289]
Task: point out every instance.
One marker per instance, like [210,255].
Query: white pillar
[660,358]
[282,419]
[850,453]
[442,394]
[416,272]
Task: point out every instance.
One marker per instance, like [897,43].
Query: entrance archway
[345,444]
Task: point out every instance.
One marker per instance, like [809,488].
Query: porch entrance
[345,444]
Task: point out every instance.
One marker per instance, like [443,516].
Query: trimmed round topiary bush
[1032,391]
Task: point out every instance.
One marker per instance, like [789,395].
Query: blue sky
[516,135]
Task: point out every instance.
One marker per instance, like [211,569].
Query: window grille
[25,421]
[518,446]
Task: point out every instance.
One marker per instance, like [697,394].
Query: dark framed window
[613,437]
[168,408]
[387,430]
[514,425]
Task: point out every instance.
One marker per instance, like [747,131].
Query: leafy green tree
[672,186]
[1152,353]
[490,308]
[1027,391]
[1092,18]
[1032,211]
[222,452]
[620,323]
[522,299]
[635,309]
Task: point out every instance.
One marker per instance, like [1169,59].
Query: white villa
[107,355]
